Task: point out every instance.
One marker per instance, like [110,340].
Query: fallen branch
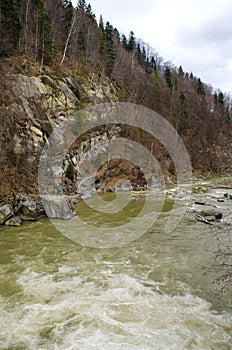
[202,219]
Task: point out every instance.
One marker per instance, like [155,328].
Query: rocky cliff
[34,100]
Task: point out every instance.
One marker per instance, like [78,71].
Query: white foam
[65,310]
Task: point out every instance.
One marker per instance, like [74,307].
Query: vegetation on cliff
[52,40]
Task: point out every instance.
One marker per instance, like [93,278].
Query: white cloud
[196,34]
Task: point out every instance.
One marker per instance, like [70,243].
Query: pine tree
[180,72]
[81,40]
[182,98]
[221,99]
[144,57]
[153,64]
[67,17]
[68,14]
[168,77]
[131,42]
[10,27]
[81,6]
[200,87]
[124,42]
[175,83]
[116,37]
[90,13]
[139,54]
[102,36]
[215,95]
[44,47]
[70,172]
[109,48]
[71,20]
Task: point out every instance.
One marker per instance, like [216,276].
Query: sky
[196,34]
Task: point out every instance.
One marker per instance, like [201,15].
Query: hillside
[56,60]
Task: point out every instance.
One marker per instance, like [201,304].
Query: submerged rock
[6,211]
[200,202]
[228,196]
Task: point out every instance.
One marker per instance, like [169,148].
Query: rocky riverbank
[210,202]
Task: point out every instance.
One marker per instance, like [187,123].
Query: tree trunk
[68,39]
[26,25]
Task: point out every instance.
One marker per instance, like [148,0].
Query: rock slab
[6,211]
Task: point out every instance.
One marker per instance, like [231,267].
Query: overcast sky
[196,34]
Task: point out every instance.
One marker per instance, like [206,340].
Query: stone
[74,87]
[228,196]
[14,221]
[27,215]
[211,213]
[199,202]
[58,207]
[67,92]
[210,218]
[6,211]
[26,207]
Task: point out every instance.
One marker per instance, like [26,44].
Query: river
[156,292]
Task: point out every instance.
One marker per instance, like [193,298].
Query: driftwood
[222,187]
[202,219]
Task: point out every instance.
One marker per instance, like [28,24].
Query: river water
[156,292]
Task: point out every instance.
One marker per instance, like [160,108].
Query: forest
[55,34]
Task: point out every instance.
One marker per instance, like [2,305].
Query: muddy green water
[153,293]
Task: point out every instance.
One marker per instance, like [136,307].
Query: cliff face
[98,65]
[32,102]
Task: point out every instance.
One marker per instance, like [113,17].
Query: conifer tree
[131,42]
[168,77]
[182,98]
[81,6]
[144,57]
[180,72]
[89,12]
[221,99]
[124,42]
[215,95]
[116,37]
[153,64]
[81,40]
[10,27]
[109,48]
[102,36]
[200,87]
[139,54]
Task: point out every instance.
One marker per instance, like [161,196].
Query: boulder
[26,207]
[14,221]
[211,214]
[58,207]
[6,211]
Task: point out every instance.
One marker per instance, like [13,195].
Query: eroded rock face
[6,211]
[33,104]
